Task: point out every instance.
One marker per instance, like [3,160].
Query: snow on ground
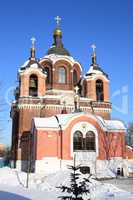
[121,182]
[42,187]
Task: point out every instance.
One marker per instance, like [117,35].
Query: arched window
[62,75]
[99,90]
[75,77]
[48,75]
[90,141]
[33,85]
[77,141]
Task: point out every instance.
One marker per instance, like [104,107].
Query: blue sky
[106,23]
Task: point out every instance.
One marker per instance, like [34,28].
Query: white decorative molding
[58,91]
[59,106]
[32,70]
[97,75]
[102,110]
[88,127]
[29,106]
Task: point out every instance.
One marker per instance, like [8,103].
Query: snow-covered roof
[52,122]
[129,147]
[54,58]
[130,168]
[114,125]
[49,122]
[32,63]
[64,119]
[96,70]
[91,71]
[25,64]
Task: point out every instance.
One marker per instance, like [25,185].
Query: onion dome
[58,47]
[57,32]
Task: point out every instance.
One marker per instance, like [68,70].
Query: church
[60,113]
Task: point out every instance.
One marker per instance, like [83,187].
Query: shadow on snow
[11,196]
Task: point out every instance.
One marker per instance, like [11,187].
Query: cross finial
[64,103]
[93,46]
[33,40]
[57,19]
[76,89]
[94,62]
[77,99]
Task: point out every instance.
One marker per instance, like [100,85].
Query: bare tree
[129,138]
[111,145]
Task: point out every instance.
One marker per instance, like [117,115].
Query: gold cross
[57,19]
[33,40]
[93,46]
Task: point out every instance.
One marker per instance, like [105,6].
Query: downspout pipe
[60,127]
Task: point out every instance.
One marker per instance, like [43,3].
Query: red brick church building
[58,112]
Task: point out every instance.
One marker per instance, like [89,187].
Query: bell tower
[31,77]
[97,87]
[28,103]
